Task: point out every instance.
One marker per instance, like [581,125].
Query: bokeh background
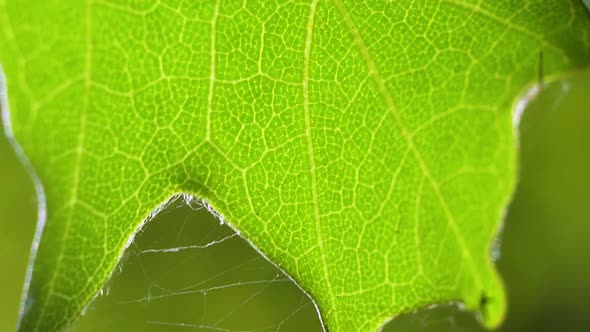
[188,272]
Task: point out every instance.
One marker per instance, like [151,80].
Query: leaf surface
[365,148]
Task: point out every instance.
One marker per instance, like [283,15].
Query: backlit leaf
[367,148]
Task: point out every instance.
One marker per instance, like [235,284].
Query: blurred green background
[186,271]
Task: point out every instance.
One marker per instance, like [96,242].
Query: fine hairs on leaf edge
[519,106]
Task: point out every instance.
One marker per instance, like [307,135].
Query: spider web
[186,270]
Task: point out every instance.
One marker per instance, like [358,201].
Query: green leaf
[366,149]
